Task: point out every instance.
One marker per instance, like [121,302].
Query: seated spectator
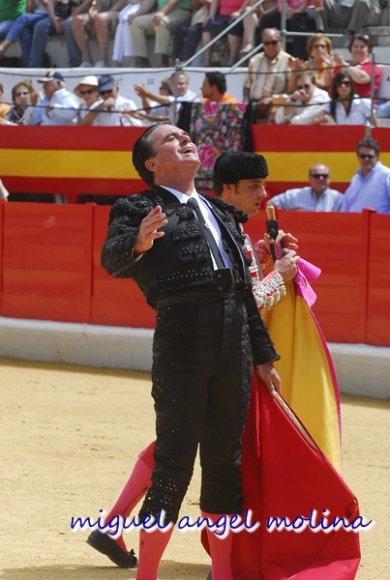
[250,25]
[180,93]
[10,10]
[316,197]
[123,51]
[100,20]
[346,108]
[222,13]
[114,110]
[4,107]
[162,24]
[360,67]
[348,16]
[268,75]
[189,34]
[305,103]
[24,98]
[87,92]
[56,21]
[298,19]
[154,112]
[4,194]
[320,62]
[370,187]
[59,106]
[36,11]
[383,110]
[214,89]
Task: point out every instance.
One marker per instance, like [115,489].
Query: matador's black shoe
[107,546]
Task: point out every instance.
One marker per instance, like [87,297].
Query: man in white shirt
[305,104]
[316,197]
[59,106]
[114,109]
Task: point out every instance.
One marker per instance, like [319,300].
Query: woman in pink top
[222,13]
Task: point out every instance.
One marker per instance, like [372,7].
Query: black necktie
[207,234]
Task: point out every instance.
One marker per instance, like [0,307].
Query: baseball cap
[106,83]
[51,75]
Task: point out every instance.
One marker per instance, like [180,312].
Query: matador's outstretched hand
[149,230]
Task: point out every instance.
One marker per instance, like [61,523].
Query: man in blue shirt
[316,197]
[370,187]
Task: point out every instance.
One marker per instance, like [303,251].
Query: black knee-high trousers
[202,364]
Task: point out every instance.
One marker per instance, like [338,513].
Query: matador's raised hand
[149,230]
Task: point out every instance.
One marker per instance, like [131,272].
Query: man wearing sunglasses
[113,110]
[305,103]
[315,197]
[268,73]
[370,187]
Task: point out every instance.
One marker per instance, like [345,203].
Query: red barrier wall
[50,269]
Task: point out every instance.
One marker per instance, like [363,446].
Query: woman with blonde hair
[320,62]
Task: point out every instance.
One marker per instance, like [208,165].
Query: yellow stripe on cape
[307,383]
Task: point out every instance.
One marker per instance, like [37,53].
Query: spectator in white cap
[58,106]
[87,92]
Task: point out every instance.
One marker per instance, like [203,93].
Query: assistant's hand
[287,266]
[270,376]
[148,231]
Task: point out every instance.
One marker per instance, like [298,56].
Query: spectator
[74,54]
[350,17]
[123,52]
[298,19]
[154,112]
[361,67]
[4,194]
[114,110]
[59,14]
[268,74]
[189,34]
[320,62]
[222,13]
[36,11]
[370,187]
[87,91]
[180,93]
[214,89]
[59,106]
[346,108]
[316,197]
[305,104]
[9,12]
[250,24]
[168,18]
[100,20]
[24,98]
[4,107]
[383,110]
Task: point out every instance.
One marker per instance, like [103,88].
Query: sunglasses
[87,92]
[22,94]
[305,86]
[364,37]
[367,155]
[319,46]
[105,92]
[344,84]
[320,175]
[270,42]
